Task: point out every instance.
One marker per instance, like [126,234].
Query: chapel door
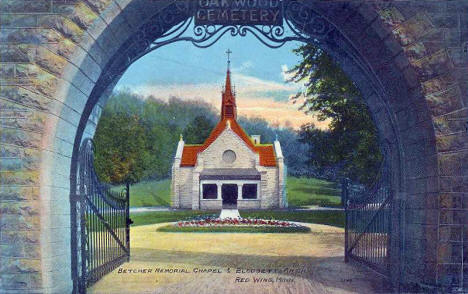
[229,195]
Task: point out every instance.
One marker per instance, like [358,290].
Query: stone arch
[407,59]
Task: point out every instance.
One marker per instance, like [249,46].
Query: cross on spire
[228,52]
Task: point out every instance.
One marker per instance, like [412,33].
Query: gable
[266,152]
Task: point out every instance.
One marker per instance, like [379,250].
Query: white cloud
[285,74]
[243,67]
[255,97]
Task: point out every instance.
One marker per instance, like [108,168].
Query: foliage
[198,130]
[120,158]
[137,137]
[351,141]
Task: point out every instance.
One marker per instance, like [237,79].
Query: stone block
[453,142]
[28,36]
[81,14]
[21,138]
[36,79]
[17,53]
[86,64]
[426,46]
[89,45]
[28,209]
[355,26]
[7,71]
[29,6]
[66,27]
[20,117]
[19,265]
[55,192]
[18,193]
[18,20]
[50,61]
[19,237]
[456,217]
[434,65]
[438,84]
[391,16]
[27,98]
[413,29]
[17,282]
[444,102]
[450,233]
[448,275]
[11,222]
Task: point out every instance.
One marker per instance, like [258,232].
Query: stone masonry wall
[212,156]
[54,52]
[185,187]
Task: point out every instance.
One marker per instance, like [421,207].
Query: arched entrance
[414,96]
[299,22]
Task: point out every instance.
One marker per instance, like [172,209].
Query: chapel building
[230,169]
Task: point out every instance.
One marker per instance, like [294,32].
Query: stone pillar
[219,186]
[239,191]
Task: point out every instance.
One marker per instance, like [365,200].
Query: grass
[151,193]
[156,217]
[310,191]
[332,218]
[326,217]
[301,192]
[233,229]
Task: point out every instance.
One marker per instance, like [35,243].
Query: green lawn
[310,191]
[156,217]
[332,218]
[301,192]
[151,193]
[324,217]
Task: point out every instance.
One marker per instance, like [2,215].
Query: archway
[406,105]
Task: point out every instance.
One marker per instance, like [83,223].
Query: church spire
[228,104]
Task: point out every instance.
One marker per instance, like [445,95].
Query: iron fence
[104,222]
[368,222]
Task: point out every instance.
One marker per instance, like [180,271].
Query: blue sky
[258,72]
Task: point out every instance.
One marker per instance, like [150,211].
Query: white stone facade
[187,185]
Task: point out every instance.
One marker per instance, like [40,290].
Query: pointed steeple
[228,103]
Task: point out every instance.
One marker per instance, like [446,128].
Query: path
[315,261]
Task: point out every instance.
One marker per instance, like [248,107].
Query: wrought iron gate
[368,222]
[104,223]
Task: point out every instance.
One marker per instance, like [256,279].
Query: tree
[120,148]
[198,130]
[351,140]
[136,137]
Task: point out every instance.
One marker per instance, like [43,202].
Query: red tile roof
[266,152]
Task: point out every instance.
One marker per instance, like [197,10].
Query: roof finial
[276,135]
[228,52]
[181,137]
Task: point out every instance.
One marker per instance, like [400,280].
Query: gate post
[344,202]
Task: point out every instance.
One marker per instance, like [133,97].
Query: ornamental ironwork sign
[204,22]
[238,12]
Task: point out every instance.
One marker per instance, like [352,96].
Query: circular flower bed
[241,222]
